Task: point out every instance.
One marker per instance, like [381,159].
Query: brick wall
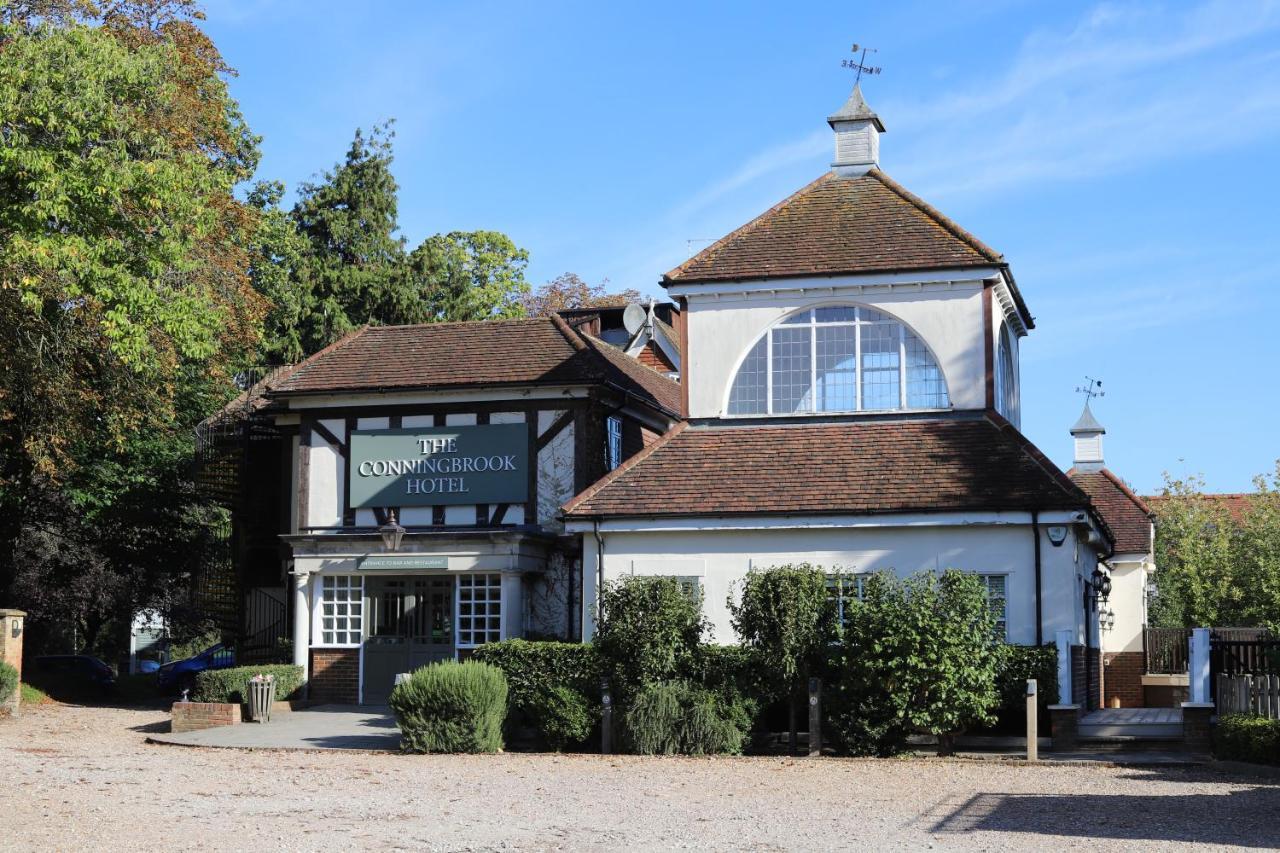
[335,676]
[1086,681]
[653,356]
[1122,678]
[193,716]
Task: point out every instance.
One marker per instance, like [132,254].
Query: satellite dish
[634,317]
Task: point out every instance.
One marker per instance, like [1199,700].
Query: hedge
[678,717]
[1017,664]
[555,687]
[1245,737]
[8,682]
[232,685]
[451,707]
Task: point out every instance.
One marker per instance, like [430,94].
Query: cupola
[857,130]
[1088,436]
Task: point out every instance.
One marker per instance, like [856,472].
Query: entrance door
[410,626]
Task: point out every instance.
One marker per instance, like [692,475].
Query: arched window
[1007,402]
[842,358]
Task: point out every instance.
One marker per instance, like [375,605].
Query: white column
[1198,664]
[1063,639]
[301,620]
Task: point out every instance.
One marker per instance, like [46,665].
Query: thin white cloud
[766,162]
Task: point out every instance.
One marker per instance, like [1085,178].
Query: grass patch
[32,695]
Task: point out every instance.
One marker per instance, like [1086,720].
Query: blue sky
[1124,157]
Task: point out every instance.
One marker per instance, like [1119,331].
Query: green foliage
[191,641]
[469,275]
[917,655]
[677,717]
[32,695]
[451,707]
[232,684]
[1015,664]
[736,670]
[1216,568]
[1245,737]
[552,685]
[8,682]
[786,615]
[651,631]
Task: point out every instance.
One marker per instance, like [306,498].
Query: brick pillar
[1196,731]
[1064,723]
[1122,678]
[12,625]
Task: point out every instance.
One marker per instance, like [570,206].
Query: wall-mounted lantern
[391,532]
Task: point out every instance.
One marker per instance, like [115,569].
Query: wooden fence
[1165,650]
[1249,694]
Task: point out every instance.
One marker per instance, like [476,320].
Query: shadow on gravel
[1244,818]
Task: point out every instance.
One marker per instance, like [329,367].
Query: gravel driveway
[87,780]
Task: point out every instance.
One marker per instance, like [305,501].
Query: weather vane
[1091,388]
[860,64]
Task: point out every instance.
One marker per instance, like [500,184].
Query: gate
[1237,652]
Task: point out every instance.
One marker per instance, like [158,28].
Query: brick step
[1130,730]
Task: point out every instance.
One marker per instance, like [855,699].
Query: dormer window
[841,358]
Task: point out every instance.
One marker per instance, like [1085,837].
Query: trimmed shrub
[451,707]
[232,685]
[651,631]
[555,687]
[8,682]
[1246,737]
[677,717]
[917,656]
[1015,664]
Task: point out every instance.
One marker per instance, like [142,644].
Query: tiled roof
[542,351]
[1126,514]
[839,225]
[925,464]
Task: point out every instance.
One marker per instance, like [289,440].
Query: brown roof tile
[925,464]
[1125,513]
[542,351]
[839,225]
[1235,503]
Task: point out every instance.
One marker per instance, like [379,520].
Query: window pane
[837,369]
[791,391]
[797,319]
[926,389]
[750,388]
[835,314]
[880,366]
[867,315]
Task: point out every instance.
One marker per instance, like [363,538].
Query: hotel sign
[426,466]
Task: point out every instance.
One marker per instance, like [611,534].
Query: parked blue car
[181,674]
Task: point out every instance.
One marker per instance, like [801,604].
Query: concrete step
[1131,730]
[1129,744]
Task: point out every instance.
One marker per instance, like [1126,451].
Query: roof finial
[1090,389]
[860,64]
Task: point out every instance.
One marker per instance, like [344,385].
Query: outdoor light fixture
[392,533]
[1057,534]
[1101,585]
[1107,619]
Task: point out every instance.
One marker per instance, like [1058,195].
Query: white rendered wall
[722,557]
[947,317]
[1128,601]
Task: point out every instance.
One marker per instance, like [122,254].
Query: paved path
[323,727]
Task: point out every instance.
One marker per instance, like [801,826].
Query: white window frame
[352,585]
[1002,624]
[463,625]
[835,587]
[813,324]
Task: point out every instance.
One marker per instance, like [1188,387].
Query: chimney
[1088,435]
[858,131]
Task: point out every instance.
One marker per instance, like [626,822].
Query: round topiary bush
[8,682]
[451,707]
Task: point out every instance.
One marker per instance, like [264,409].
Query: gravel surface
[86,779]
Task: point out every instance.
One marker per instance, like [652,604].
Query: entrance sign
[432,466]
[406,561]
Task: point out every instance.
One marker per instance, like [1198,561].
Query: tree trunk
[946,744]
[792,719]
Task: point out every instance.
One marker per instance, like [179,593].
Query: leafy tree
[124,293]
[650,630]
[275,257]
[918,655]
[1214,568]
[470,275]
[786,616]
[568,290]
